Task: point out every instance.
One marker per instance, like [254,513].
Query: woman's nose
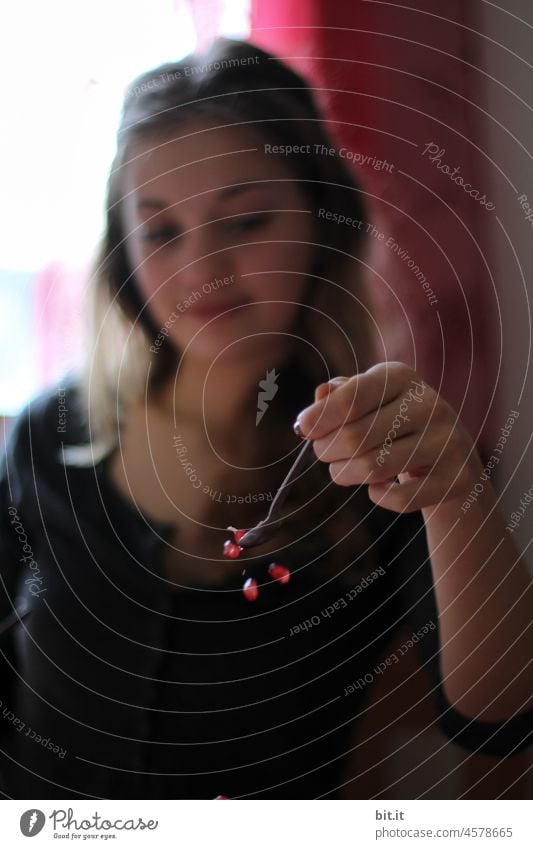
[201,260]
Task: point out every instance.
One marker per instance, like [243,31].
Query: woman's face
[219,237]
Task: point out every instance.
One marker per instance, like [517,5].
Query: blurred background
[418,96]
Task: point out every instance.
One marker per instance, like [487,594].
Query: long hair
[235,82]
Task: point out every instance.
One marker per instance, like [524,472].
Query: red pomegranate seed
[250,590]
[280,573]
[221,797]
[237,534]
[231,550]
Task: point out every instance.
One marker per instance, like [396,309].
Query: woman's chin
[240,347]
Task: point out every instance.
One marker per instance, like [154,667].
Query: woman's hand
[387,423]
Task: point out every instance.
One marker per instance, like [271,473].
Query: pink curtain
[58,303]
[389,89]
[392,81]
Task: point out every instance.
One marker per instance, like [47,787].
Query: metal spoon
[14,618]
[272,522]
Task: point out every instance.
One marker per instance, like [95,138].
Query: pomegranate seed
[221,797]
[231,550]
[250,590]
[237,534]
[280,573]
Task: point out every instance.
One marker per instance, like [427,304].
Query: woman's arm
[485,603]
[388,429]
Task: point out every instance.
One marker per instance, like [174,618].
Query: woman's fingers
[441,483]
[408,453]
[377,430]
[359,395]
[324,389]
[387,429]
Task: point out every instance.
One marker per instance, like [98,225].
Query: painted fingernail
[297,429]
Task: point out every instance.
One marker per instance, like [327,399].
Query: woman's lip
[203,310]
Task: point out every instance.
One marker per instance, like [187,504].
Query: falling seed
[231,550]
[279,573]
[250,590]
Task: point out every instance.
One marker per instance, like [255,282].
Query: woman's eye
[240,224]
[246,223]
[164,234]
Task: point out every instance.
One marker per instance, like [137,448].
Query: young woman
[227,302]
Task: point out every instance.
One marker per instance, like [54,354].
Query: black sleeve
[12,541]
[411,581]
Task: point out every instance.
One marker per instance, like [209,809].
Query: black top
[117,685]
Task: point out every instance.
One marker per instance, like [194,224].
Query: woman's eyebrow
[150,203]
[245,186]
[223,194]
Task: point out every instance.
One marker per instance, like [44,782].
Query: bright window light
[65,66]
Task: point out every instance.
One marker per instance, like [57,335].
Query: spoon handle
[273,520]
[287,482]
